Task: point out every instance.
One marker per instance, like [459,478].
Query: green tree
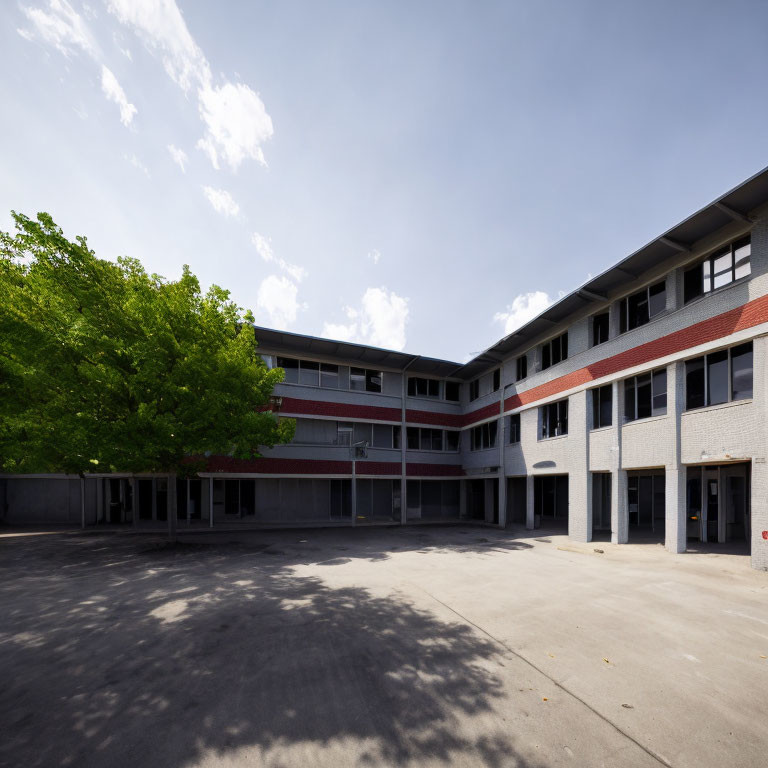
[106,368]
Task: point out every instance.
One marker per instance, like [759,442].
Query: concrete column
[502,433]
[210,502]
[619,513]
[354,494]
[579,487]
[759,503]
[462,499]
[530,517]
[675,502]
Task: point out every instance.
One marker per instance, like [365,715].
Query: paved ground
[418,647]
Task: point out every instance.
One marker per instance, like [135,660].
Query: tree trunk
[171,496]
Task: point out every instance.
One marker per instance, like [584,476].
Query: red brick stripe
[718,327]
[291,405]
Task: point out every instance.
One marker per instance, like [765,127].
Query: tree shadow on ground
[119,653]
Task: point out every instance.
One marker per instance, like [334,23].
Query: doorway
[517,500]
[646,504]
[601,503]
[550,501]
[718,503]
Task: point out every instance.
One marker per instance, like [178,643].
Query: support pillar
[530,517]
[675,501]
[619,512]
[354,494]
[579,487]
[759,514]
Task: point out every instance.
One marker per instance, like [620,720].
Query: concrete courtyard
[396,647]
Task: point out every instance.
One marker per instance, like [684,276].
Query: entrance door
[734,517]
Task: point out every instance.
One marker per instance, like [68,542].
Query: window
[719,377]
[329,375]
[602,406]
[600,327]
[483,436]
[640,307]
[309,372]
[386,436]
[363,380]
[554,351]
[425,439]
[452,390]
[420,387]
[522,367]
[723,267]
[645,395]
[514,428]
[554,419]
[291,368]
[344,431]
[496,380]
[474,389]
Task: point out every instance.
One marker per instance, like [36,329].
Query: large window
[719,377]
[513,428]
[474,389]
[640,307]
[364,380]
[376,435]
[309,372]
[483,436]
[419,386]
[484,385]
[426,439]
[554,419]
[602,406]
[600,327]
[554,351]
[522,367]
[645,395]
[723,267]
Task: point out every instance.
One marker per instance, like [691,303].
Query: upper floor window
[364,380]
[554,419]
[452,390]
[600,328]
[309,372]
[419,387]
[645,395]
[483,436]
[514,428]
[719,377]
[376,435]
[640,307]
[554,351]
[422,387]
[602,406]
[521,365]
[723,267]
[484,385]
[427,439]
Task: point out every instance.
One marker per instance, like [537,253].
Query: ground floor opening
[482,497]
[550,501]
[517,500]
[646,505]
[718,503]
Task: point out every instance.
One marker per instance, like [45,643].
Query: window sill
[480,450]
[549,439]
[716,290]
[646,420]
[605,428]
[719,406]
[428,399]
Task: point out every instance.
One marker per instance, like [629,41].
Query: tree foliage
[104,367]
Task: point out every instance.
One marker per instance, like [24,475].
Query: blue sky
[417,175]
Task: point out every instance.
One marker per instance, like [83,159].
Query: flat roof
[734,205]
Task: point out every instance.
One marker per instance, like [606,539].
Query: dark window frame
[553,419]
[513,429]
[636,385]
[701,368]
[602,406]
[367,376]
[554,351]
[636,307]
[521,367]
[601,328]
[483,436]
[699,280]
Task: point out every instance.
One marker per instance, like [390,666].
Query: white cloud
[234,116]
[236,123]
[523,308]
[221,201]
[136,163]
[374,255]
[161,27]
[380,321]
[114,92]
[264,249]
[179,156]
[60,26]
[277,297]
